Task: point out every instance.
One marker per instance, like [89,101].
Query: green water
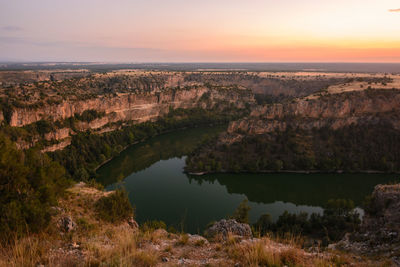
[152,173]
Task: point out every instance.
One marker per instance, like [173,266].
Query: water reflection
[153,175]
[141,156]
[302,189]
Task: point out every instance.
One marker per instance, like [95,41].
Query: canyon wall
[124,107]
[137,107]
[379,233]
[333,111]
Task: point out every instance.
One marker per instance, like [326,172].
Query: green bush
[89,115]
[114,207]
[241,213]
[338,218]
[352,148]
[263,224]
[30,184]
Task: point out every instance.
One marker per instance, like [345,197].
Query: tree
[241,213]
[263,224]
[29,185]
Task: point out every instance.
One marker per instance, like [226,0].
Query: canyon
[142,98]
[276,122]
[334,111]
[304,100]
[332,131]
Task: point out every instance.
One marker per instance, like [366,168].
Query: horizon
[156,31]
[335,67]
[189,62]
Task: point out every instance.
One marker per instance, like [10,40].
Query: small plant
[114,207]
[84,224]
[200,243]
[183,240]
[144,259]
[153,225]
[93,183]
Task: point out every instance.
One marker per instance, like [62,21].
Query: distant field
[275,67]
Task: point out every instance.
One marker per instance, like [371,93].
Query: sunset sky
[200,31]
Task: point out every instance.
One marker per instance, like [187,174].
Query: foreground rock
[379,234]
[94,242]
[66,224]
[225,227]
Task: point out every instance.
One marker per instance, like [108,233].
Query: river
[152,173]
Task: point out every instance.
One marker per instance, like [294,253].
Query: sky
[200,30]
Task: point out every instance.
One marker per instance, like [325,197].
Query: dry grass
[27,251]
[359,86]
[254,255]
[123,252]
[183,240]
[95,243]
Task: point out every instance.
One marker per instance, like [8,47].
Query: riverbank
[88,150]
[157,135]
[294,172]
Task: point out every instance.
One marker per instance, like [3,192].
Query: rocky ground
[379,235]
[77,238]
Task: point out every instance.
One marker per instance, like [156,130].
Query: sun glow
[155,30]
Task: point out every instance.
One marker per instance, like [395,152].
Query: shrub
[183,240]
[89,115]
[30,184]
[241,213]
[263,224]
[114,207]
[338,218]
[153,225]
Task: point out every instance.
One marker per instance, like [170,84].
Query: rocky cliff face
[330,111]
[384,210]
[125,107]
[380,230]
[137,107]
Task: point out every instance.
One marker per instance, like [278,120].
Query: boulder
[383,212]
[225,227]
[66,224]
[132,223]
[379,233]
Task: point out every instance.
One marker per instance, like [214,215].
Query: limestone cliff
[138,107]
[348,132]
[124,107]
[333,111]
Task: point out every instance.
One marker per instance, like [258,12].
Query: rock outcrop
[225,227]
[384,210]
[66,224]
[128,106]
[380,229]
[334,111]
[123,107]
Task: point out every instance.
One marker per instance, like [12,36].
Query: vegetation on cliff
[114,207]
[273,88]
[338,218]
[88,150]
[30,184]
[351,148]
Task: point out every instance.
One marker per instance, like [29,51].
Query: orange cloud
[394,10]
